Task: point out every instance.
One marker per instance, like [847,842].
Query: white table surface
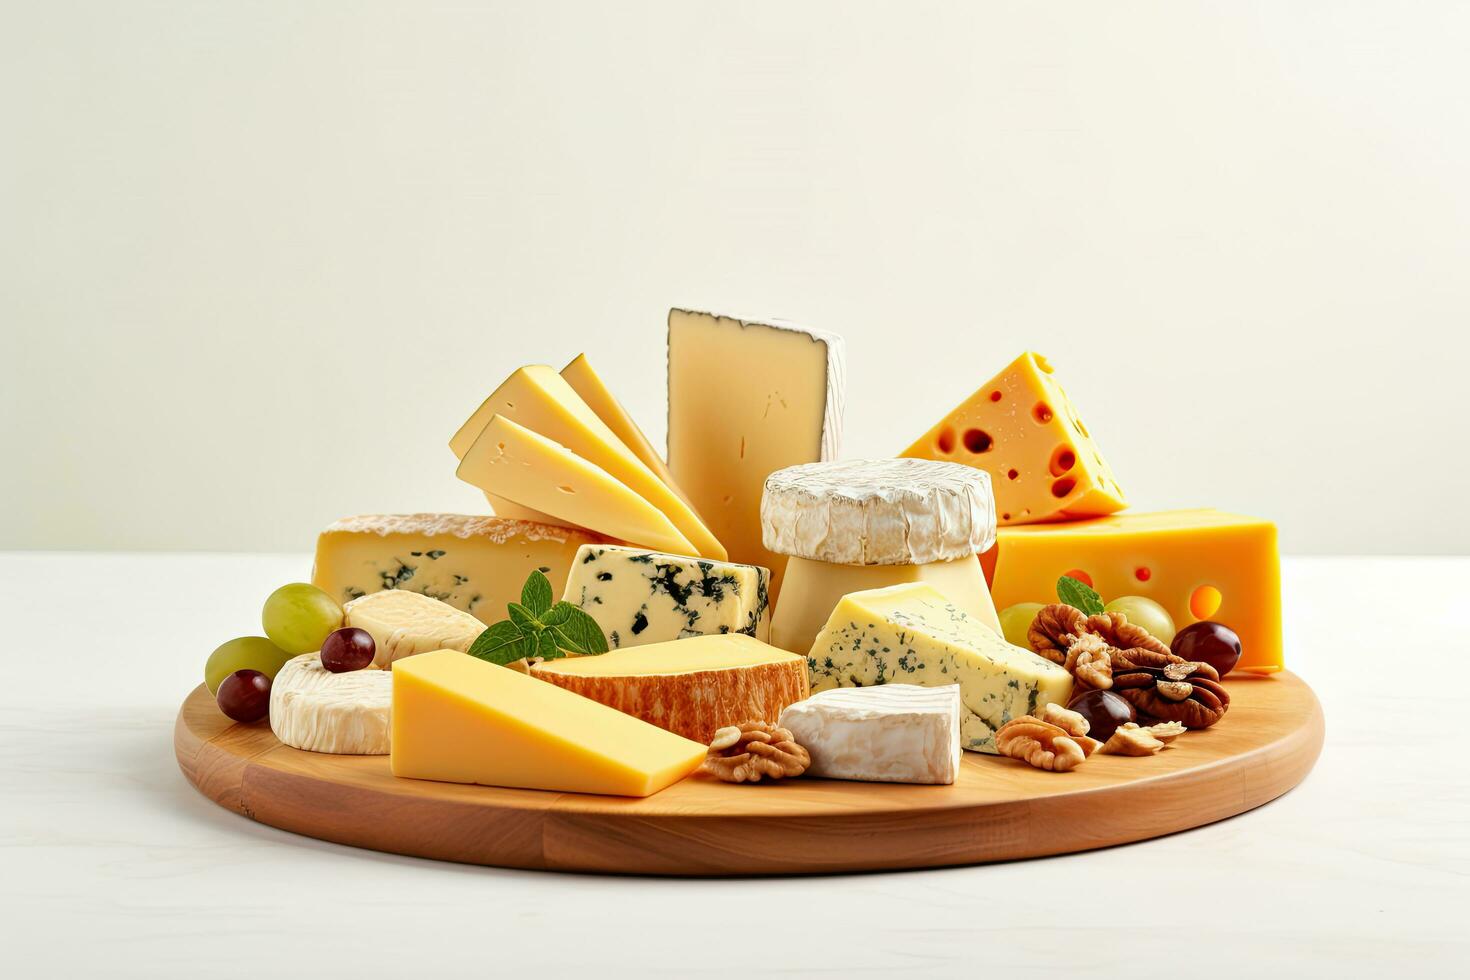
[113,865]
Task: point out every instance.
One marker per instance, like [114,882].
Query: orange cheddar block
[458,719]
[1022,429]
[1197,564]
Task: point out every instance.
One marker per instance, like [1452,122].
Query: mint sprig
[539,628]
[1079,595]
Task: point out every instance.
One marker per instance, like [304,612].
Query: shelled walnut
[1057,745]
[1182,691]
[753,750]
[1094,648]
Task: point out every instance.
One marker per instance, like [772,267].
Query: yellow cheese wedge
[590,388]
[691,686]
[527,468]
[542,401]
[462,720]
[1022,429]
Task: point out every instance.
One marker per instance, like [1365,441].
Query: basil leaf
[1079,595]
[536,593]
[501,643]
[524,619]
[579,633]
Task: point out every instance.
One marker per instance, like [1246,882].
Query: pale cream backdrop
[258,261]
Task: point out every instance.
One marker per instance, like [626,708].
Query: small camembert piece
[691,687]
[894,733]
[476,564]
[461,720]
[746,398]
[910,634]
[404,623]
[319,711]
[640,597]
[1021,428]
[867,524]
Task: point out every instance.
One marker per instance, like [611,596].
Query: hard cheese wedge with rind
[1197,564]
[910,634]
[691,687]
[511,461]
[1022,429]
[461,720]
[541,400]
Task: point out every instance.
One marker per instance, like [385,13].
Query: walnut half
[1044,745]
[755,750]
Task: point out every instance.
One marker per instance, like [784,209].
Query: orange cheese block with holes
[1197,564]
[1022,429]
[462,720]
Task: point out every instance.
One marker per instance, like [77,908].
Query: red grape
[1104,712]
[1211,643]
[347,649]
[245,695]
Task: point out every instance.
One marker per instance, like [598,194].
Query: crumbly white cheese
[878,512]
[346,714]
[896,733]
[404,623]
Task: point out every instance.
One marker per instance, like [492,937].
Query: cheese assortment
[754,609]
[866,524]
[640,597]
[691,687]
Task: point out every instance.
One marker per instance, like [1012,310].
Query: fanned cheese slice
[319,711]
[691,687]
[527,468]
[404,623]
[541,400]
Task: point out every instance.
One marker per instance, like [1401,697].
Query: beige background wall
[257,261]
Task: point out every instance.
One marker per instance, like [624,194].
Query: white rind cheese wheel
[404,623]
[878,512]
[892,733]
[319,711]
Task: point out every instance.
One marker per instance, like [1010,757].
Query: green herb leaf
[524,619]
[557,615]
[1079,595]
[578,632]
[536,593]
[502,643]
[546,647]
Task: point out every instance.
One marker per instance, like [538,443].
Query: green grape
[1143,611]
[298,617]
[1016,620]
[243,653]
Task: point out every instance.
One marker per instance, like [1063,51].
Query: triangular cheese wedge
[590,388]
[542,401]
[462,720]
[527,468]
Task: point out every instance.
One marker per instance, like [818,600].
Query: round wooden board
[998,810]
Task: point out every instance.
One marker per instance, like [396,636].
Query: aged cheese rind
[814,588]
[525,467]
[894,733]
[878,512]
[542,401]
[746,398]
[910,634]
[477,564]
[1167,557]
[461,720]
[314,709]
[691,687]
[404,623]
[641,597]
[1022,429]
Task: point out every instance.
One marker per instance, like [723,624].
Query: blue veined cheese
[910,634]
[640,597]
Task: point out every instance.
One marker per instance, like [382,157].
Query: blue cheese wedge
[894,733]
[910,634]
[640,597]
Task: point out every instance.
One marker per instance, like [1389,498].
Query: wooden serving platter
[998,810]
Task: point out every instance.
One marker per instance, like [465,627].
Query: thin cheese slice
[511,461]
[542,401]
[590,387]
[691,687]
[462,720]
